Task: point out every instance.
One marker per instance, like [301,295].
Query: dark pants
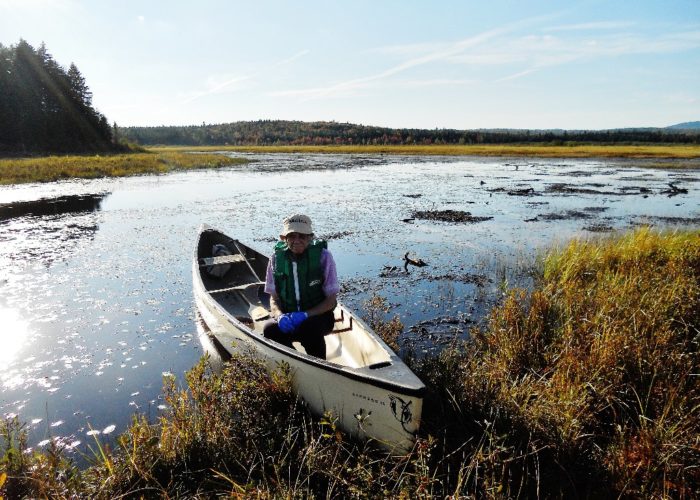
[309,334]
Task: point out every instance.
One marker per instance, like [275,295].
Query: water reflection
[53,206]
[210,346]
[12,337]
[49,229]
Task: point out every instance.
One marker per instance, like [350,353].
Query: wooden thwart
[255,310]
[238,288]
[221,259]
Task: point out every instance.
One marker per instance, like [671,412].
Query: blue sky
[417,64]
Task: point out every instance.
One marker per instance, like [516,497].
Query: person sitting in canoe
[302,282]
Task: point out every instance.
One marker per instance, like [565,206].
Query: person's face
[297,242]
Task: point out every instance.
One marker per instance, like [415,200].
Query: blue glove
[285,323]
[298,318]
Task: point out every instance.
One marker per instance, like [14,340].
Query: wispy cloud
[296,56]
[517,55]
[441,53]
[215,87]
[547,51]
[601,25]
[219,84]
[435,82]
[517,75]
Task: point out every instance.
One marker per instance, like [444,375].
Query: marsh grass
[158,160]
[586,385]
[241,433]
[685,151]
[53,168]
[583,387]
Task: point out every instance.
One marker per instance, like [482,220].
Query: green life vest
[309,273]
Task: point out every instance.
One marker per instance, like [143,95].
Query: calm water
[96,304]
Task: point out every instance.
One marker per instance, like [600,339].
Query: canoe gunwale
[364,376]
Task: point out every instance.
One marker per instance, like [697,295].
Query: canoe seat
[220,259]
[340,328]
[238,288]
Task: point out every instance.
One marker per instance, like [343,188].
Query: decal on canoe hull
[401,410]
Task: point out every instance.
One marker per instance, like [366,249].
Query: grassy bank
[169,158]
[585,387]
[589,384]
[516,150]
[53,168]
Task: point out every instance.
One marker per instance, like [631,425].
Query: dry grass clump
[241,433]
[587,385]
[53,168]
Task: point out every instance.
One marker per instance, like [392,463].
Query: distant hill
[685,126]
[282,132]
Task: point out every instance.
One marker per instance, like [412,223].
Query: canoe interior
[240,291]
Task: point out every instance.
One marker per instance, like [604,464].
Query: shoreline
[654,151]
[164,159]
[54,168]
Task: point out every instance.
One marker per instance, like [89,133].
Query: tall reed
[588,384]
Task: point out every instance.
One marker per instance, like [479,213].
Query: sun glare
[13,333]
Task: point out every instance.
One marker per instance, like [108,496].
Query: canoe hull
[364,402]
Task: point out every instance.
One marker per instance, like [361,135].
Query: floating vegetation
[336,235]
[565,215]
[448,216]
[479,280]
[568,189]
[596,210]
[599,228]
[686,221]
[393,272]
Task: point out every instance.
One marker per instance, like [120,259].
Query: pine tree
[78,86]
[44,108]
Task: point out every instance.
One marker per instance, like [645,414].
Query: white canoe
[363,383]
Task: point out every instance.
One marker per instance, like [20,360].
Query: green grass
[53,168]
[585,387]
[685,151]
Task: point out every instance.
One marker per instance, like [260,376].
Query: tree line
[280,132]
[45,107]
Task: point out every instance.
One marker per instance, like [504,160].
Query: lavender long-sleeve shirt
[330,284]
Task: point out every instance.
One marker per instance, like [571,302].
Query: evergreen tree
[78,87]
[44,108]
